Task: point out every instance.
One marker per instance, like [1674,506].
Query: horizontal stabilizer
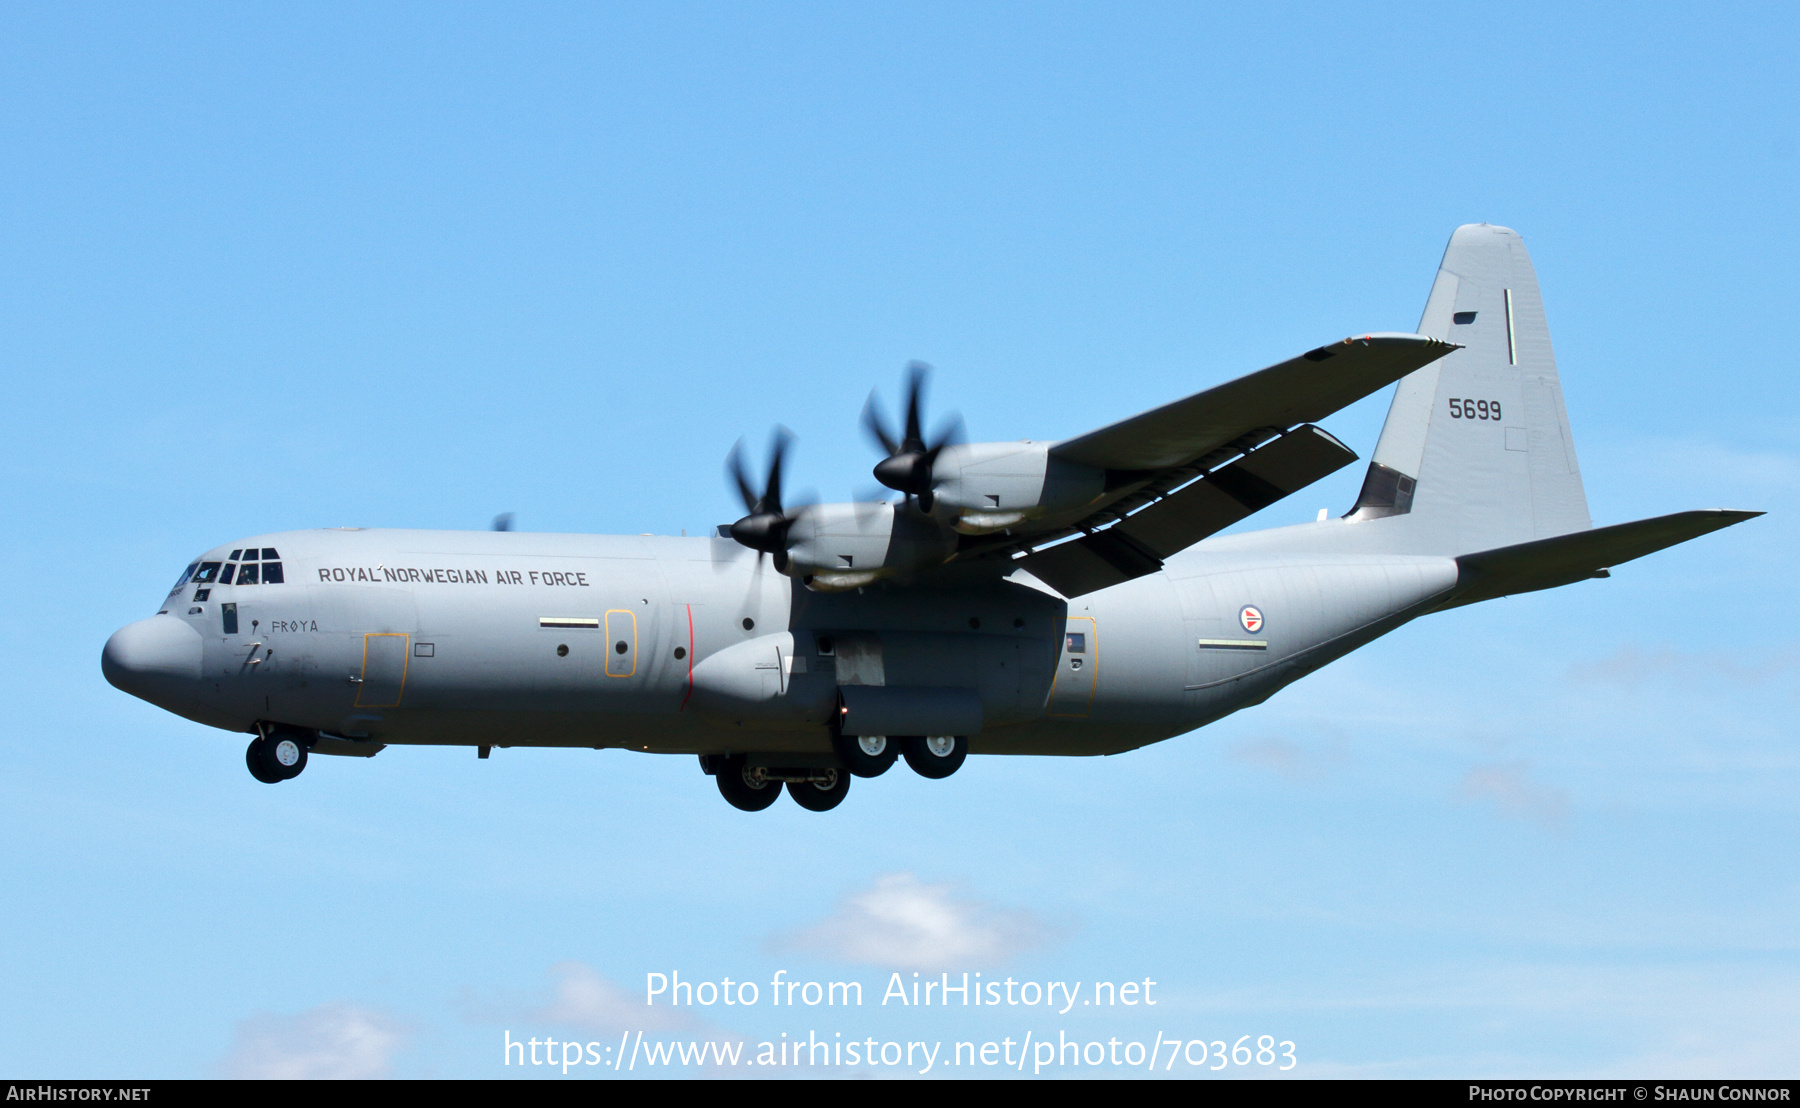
[1221,498]
[1305,389]
[1565,559]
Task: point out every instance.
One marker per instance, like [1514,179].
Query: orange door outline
[405,662]
[616,619]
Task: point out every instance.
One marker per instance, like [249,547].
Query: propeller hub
[910,458]
[764,531]
[909,472]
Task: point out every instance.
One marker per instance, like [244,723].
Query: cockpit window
[209,572]
[234,555]
[186,575]
[250,572]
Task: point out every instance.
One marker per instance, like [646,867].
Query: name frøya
[381,574]
[921,991]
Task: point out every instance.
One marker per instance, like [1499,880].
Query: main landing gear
[935,757]
[744,786]
[866,755]
[751,788]
[276,756]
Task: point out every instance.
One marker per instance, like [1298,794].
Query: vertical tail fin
[1476,451]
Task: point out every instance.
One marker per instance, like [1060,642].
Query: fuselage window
[229,614]
[247,574]
[209,572]
[1076,642]
[201,594]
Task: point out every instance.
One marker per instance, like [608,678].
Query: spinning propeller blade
[908,465]
[765,528]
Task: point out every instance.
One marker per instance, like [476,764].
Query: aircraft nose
[155,659]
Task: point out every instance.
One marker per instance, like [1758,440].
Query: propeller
[765,528]
[907,467]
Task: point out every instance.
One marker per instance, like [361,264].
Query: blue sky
[417,265]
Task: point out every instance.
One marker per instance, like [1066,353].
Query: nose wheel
[275,758]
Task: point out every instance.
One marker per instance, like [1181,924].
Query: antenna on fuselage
[503,522]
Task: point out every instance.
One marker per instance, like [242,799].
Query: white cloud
[1629,667]
[903,922]
[1512,789]
[1290,759]
[582,997]
[335,1041]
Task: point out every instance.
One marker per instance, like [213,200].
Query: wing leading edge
[1300,390]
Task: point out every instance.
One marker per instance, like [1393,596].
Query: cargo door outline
[386,657]
[621,627]
[1077,672]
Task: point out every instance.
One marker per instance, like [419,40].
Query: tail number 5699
[1474,409]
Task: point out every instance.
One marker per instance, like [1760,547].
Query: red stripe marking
[689,691]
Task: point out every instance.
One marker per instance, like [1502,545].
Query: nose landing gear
[276,756]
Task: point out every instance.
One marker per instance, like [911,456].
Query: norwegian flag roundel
[1252,618]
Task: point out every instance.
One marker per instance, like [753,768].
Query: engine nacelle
[983,487]
[843,546]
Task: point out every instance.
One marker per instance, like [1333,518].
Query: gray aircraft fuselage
[650,643]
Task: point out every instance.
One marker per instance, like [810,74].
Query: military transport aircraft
[1019,598]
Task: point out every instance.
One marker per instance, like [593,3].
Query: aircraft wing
[1565,559]
[1305,389]
[1138,543]
[1169,482]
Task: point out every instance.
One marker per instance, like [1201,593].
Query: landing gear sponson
[752,782]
